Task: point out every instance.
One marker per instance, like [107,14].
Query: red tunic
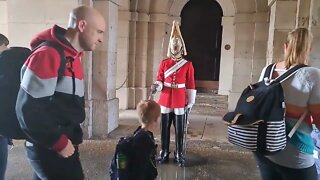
[175,97]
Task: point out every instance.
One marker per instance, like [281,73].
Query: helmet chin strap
[178,56]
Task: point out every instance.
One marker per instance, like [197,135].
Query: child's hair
[148,110]
[299,44]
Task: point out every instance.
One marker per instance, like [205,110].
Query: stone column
[250,52]
[315,29]
[4,17]
[282,20]
[104,102]
[242,67]
[227,55]
[138,44]
[156,36]
[123,59]
[141,57]
[87,69]
[260,44]
[303,13]
[132,60]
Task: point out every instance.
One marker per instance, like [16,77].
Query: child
[144,147]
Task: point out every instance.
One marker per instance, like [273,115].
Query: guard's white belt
[170,85]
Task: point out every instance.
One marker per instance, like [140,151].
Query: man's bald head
[86,13]
[87,25]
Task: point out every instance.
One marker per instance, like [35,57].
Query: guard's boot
[166,121]
[180,128]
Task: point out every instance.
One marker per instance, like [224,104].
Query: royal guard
[175,81]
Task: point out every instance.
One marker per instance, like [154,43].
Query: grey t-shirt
[301,90]
[291,157]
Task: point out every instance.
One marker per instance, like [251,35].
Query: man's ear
[82,25]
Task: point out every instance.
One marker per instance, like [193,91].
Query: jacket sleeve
[38,83]
[160,77]
[190,84]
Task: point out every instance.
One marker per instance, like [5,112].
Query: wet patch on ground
[205,160]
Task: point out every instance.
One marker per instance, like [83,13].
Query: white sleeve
[191,96]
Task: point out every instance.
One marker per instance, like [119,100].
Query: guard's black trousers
[179,124]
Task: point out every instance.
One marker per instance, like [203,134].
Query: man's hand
[68,150]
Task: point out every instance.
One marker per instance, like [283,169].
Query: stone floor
[209,155]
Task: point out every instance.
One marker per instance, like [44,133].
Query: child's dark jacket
[144,150]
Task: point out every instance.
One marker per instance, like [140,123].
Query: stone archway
[228,38]
[202,31]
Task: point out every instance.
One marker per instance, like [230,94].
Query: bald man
[50,107]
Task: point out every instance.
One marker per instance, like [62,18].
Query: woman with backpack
[302,93]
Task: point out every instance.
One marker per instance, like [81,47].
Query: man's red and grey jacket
[50,109]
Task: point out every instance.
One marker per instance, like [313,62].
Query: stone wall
[120,72]
[26,18]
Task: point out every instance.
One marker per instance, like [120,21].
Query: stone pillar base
[105,117]
[123,95]
[232,100]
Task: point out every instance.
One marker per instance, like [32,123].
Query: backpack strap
[269,69]
[295,127]
[284,76]
[59,49]
[289,73]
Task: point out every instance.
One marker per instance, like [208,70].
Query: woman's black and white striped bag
[258,122]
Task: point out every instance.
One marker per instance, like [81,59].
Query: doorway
[202,32]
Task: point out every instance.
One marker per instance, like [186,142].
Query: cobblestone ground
[206,160]
[209,155]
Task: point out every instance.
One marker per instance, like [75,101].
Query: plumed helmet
[176,40]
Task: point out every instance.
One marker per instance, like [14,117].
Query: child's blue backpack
[121,162]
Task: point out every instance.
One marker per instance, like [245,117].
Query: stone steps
[210,104]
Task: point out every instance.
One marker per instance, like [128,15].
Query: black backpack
[11,61]
[122,160]
[258,122]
